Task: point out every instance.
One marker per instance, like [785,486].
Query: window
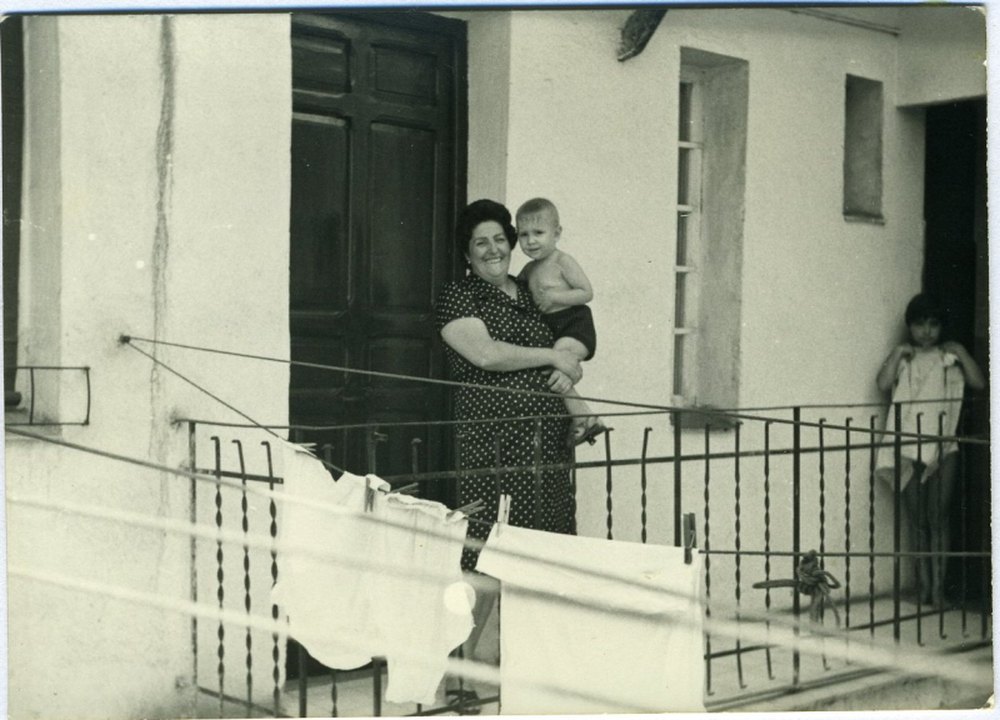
[686,269]
[711,181]
[863,149]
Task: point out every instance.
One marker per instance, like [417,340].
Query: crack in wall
[159,437]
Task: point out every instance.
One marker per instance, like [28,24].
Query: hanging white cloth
[936,381]
[393,597]
[631,649]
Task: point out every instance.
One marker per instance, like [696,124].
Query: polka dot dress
[517,322]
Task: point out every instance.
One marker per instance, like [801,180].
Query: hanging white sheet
[388,597]
[637,649]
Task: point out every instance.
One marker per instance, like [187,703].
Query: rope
[901,659]
[339,510]
[764,634]
[219,400]
[708,412]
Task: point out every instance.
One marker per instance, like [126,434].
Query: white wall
[942,54]
[822,297]
[163,208]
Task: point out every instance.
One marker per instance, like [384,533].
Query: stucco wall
[596,136]
[165,215]
[942,54]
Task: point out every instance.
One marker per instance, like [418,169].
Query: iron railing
[21,406]
[768,486]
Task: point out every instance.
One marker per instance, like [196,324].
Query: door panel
[377,172]
[319,205]
[402,222]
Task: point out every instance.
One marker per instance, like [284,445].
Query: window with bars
[711,177]
[689,154]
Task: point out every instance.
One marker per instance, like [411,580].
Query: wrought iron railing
[779,486]
[22,406]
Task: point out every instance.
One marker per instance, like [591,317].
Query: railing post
[642,479]
[708,561]
[607,458]
[677,478]
[273,530]
[220,575]
[897,525]
[767,540]
[245,525]
[193,543]
[738,558]
[847,522]
[796,530]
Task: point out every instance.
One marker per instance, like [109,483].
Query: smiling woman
[494,336]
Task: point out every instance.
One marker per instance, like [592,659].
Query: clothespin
[503,511]
[689,536]
[405,489]
[471,509]
[369,496]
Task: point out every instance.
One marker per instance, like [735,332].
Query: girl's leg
[915,503]
[939,489]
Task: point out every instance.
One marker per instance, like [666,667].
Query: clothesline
[904,658]
[708,412]
[293,499]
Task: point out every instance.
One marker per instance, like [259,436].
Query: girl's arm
[974,377]
[890,366]
[469,337]
[580,292]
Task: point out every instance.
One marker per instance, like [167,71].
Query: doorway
[378,170]
[956,270]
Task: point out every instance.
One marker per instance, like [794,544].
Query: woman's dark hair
[477,212]
[924,307]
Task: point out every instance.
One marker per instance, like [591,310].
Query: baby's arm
[579,291]
[970,368]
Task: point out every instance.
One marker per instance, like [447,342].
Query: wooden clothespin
[405,489]
[503,511]
[471,509]
[369,495]
[689,537]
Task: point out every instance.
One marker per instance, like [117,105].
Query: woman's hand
[568,364]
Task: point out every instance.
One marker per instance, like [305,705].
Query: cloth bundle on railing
[614,646]
[345,616]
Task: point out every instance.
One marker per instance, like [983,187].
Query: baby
[561,290]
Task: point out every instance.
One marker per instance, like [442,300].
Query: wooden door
[377,174]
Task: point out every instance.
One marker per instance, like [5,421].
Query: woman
[494,336]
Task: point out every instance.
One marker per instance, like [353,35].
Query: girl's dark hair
[477,212]
[924,307]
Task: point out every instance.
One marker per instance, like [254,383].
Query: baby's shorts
[576,322]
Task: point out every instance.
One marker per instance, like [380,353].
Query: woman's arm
[469,337]
[890,366]
[974,377]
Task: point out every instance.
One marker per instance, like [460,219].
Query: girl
[927,377]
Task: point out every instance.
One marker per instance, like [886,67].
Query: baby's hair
[538,205]
[924,307]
